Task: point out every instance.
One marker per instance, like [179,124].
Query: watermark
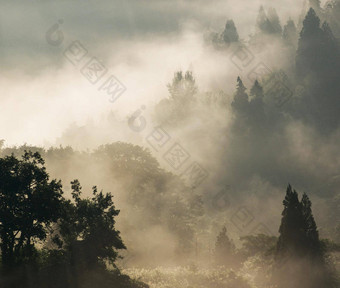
[195,174]
[221,201]
[136,121]
[244,221]
[54,35]
[172,152]
[158,138]
[90,67]
[176,156]
[242,57]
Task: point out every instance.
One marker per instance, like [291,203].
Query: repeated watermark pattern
[244,220]
[176,156]
[90,67]
[221,201]
[159,139]
[173,153]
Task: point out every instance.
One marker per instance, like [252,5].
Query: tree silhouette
[182,88]
[289,34]
[299,251]
[274,21]
[309,48]
[230,34]
[29,203]
[87,229]
[256,105]
[268,24]
[292,240]
[317,65]
[240,102]
[33,211]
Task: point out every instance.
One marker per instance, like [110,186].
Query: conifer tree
[289,34]
[312,233]
[257,90]
[274,20]
[268,24]
[309,48]
[318,62]
[299,251]
[240,102]
[262,21]
[292,238]
[230,34]
[256,105]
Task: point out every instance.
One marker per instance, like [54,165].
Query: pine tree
[257,90]
[318,61]
[262,21]
[330,50]
[310,44]
[256,105]
[312,233]
[292,240]
[240,102]
[299,250]
[274,21]
[230,34]
[289,34]
[268,24]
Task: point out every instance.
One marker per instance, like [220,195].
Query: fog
[49,102]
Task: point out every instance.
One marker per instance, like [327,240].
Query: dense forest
[196,190]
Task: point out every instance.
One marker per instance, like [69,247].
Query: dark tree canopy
[299,246]
[268,24]
[289,33]
[29,203]
[87,228]
[33,212]
[230,33]
[241,101]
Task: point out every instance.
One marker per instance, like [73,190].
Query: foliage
[29,203]
[299,247]
[185,277]
[32,209]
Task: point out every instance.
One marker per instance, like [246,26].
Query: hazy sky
[142,43]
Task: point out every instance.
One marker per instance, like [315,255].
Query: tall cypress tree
[299,255]
[292,240]
[309,48]
[311,230]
